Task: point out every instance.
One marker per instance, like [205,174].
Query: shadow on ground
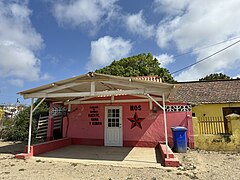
[11,147]
[89,153]
[119,154]
[158,156]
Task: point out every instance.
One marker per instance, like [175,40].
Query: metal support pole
[165,124]
[38,104]
[163,107]
[30,127]
[92,88]
[151,98]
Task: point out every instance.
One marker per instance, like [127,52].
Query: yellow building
[211,102]
[1,115]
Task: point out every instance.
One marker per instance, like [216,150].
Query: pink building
[107,110]
[122,124]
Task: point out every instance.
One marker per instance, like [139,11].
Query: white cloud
[18,43]
[16,26]
[237,76]
[84,13]
[16,82]
[52,59]
[198,24]
[170,8]
[17,61]
[222,62]
[165,59]
[136,24]
[106,49]
[45,76]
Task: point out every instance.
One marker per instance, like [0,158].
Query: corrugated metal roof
[103,83]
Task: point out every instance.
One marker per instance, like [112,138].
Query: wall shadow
[158,156]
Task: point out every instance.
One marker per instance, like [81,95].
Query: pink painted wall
[78,127]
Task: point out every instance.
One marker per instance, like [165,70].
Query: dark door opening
[227,111]
[57,129]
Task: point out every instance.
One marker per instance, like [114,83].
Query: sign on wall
[135,107]
[94,116]
[135,120]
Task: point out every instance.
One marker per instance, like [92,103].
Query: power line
[206,57]
[205,47]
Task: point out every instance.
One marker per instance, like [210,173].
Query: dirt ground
[195,165]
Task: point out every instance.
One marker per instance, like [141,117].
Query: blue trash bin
[179,139]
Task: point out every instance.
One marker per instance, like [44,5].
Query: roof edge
[183,82]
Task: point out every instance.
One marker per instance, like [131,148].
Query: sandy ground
[195,165]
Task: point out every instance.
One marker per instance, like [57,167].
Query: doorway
[113,126]
[227,111]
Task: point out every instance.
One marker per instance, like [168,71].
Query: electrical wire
[205,47]
[204,59]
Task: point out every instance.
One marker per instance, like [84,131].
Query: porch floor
[119,156]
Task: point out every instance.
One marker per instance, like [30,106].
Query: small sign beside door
[94,116]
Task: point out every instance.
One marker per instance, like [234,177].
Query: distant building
[1,113]
[10,111]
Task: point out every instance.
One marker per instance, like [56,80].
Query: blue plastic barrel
[179,139]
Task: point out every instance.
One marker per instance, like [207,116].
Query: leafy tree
[215,76]
[16,129]
[139,65]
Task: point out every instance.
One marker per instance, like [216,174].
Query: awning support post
[163,107]
[30,127]
[39,104]
[30,122]
[165,124]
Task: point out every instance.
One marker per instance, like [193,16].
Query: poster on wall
[94,116]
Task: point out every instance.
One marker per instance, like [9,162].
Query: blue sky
[49,40]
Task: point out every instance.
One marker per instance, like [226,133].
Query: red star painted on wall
[136,121]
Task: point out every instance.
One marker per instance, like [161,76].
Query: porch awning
[97,85]
[92,85]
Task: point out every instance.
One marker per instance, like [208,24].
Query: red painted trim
[23,156]
[48,146]
[139,144]
[164,152]
[191,145]
[100,142]
[84,141]
[56,144]
[49,138]
[171,161]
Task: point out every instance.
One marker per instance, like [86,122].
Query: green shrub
[16,129]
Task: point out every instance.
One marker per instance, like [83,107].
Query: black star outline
[136,121]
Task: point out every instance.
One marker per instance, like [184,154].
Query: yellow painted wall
[211,110]
[1,116]
[217,142]
[1,113]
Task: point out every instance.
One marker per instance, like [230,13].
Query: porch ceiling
[97,85]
